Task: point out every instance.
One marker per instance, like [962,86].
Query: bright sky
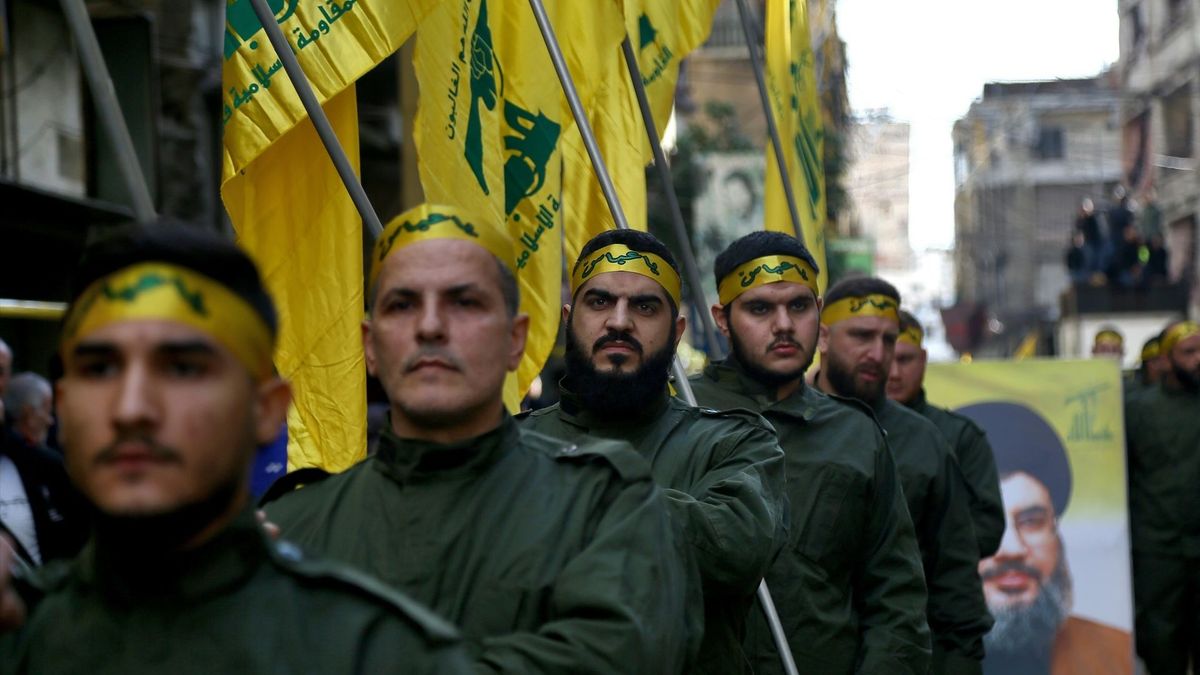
[928,60]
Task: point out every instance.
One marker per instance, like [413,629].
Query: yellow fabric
[1177,333]
[620,258]
[434,221]
[1151,350]
[296,219]
[766,270]
[290,209]
[160,291]
[490,131]
[852,307]
[912,335]
[662,34]
[1028,347]
[792,88]
[335,42]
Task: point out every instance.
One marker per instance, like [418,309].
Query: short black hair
[756,245]
[907,320]
[636,240]
[856,287]
[170,241]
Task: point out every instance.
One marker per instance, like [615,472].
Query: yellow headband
[1178,333]
[766,270]
[620,258]
[854,306]
[1151,350]
[431,221]
[912,335]
[161,291]
[1108,337]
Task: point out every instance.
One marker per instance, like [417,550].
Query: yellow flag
[490,131]
[290,209]
[661,34]
[792,89]
[1028,347]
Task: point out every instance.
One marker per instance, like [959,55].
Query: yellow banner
[290,209]
[792,89]
[1056,430]
[490,132]
[661,34]
[335,42]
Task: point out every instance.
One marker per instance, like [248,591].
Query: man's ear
[680,327]
[272,399]
[719,318]
[520,332]
[566,312]
[823,339]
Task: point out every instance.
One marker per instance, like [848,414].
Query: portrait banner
[1059,586]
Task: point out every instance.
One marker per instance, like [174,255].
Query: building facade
[1026,154]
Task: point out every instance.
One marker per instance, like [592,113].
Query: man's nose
[136,405]
[431,325]
[619,319]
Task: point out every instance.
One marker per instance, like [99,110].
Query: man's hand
[12,608]
[270,528]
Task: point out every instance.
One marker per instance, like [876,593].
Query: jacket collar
[731,375]
[411,460]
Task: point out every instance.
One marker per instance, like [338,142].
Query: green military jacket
[236,604]
[974,455]
[1163,433]
[937,498]
[548,555]
[848,584]
[722,475]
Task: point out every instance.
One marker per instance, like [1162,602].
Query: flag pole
[107,108]
[664,173]
[324,129]
[614,205]
[772,125]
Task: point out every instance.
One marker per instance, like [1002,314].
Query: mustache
[430,353]
[1011,566]
[617,337]
[156,450]
[784,341]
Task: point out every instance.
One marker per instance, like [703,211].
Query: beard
[1030,630]
[616,394]
[841,378]
[770,378]
[139,535]
[1188,379]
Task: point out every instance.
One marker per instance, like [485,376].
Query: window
[1177,122]
[1049,144]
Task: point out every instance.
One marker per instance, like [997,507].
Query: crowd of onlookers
[1117,247]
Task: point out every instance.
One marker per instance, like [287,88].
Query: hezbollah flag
[792,90]
[662,34]
[290,209]
[490,130]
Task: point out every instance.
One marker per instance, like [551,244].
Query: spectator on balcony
[1093,241]
[1077,259]
[1156,270]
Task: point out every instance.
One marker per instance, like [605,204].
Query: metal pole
[614,205]
[772,127]
[107,108]
[664,173]
[332,146]
[581,119]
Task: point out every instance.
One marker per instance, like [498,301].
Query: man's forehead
[780,291]
[439,264]
[1021,490]
[875,324]
[623,284]
[144,334]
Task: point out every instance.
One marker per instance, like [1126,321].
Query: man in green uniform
[166,393]
[905,385]
[1163,433]
[860,323]
[721,473]
[551,556]
[848,584]
[1152,368]
[1108,343]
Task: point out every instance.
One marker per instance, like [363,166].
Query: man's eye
[757,308]
[469,302]
[186,368]
[799,305]
[96,368]
[647,308]
[597,303]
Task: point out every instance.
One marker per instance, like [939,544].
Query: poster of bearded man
[1059,586]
